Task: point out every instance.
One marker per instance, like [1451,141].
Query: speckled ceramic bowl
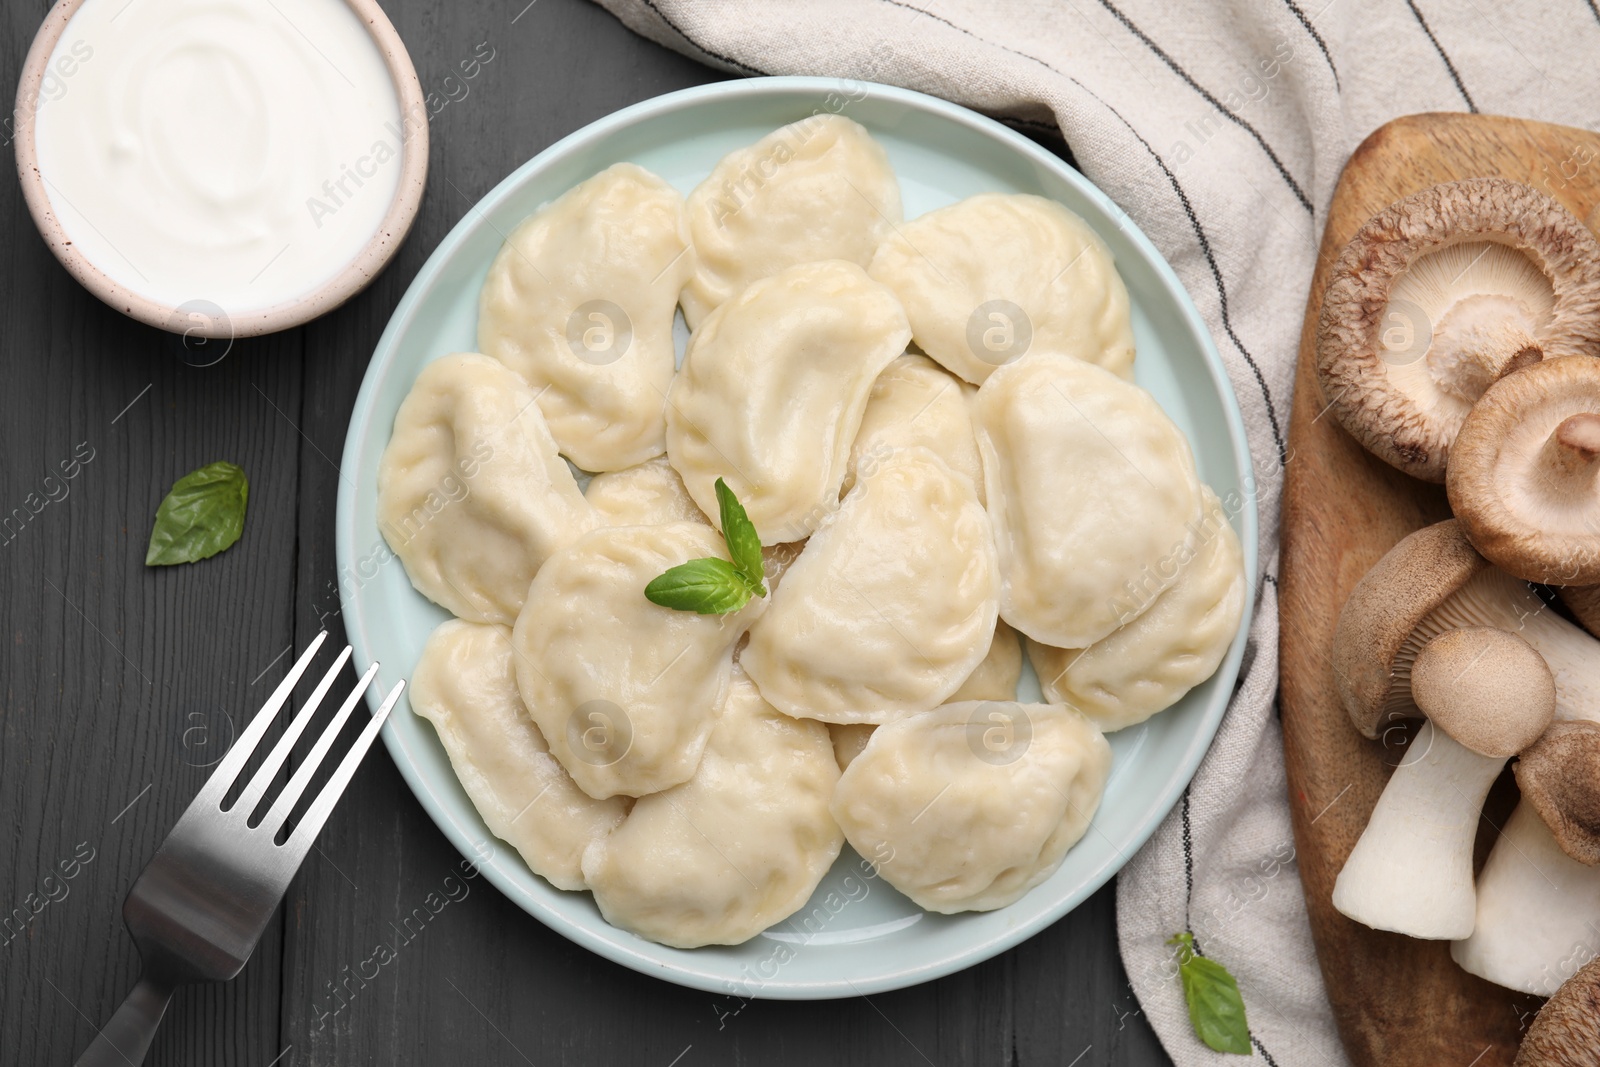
[196,318]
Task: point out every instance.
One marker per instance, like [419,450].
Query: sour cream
[236,153]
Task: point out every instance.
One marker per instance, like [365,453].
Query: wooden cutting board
[1399,1002]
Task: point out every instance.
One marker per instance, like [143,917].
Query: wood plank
[1398,1001]
[113,677]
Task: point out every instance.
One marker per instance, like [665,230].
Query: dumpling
[466,685]
[772,390]
[1149,664]
[996,676]
[646,495]
[891,605]
[820,188]
[471,494]
[991,278]
[625,691]
[580,302]
[1091,493]
[849,740]
[971,805]
[735,849]
[916,402]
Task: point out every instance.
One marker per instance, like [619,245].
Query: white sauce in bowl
[236,153]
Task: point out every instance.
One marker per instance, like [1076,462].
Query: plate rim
[468,842]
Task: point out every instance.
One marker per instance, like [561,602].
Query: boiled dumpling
[820,188]
[646,495]
[735,849]
[772,390]
[580,302]
[996,675]
[991,278]
[466,685]
[970,805]
[625,691]
[1091,490]
[1149,664]
[891,605]
[916,402]
[471,494]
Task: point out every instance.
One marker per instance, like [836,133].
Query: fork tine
[238,755]
[300,841]
[291,793]
[280,752]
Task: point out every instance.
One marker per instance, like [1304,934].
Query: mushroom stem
[1478,343]
[1411,871]
[1572,453]
[1538,915]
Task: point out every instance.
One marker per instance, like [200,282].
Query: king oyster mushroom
[1560,778]
[1566,1032]
[1487,695]
[1538,916]
[1441,294]
[1431,582]
[1524,476]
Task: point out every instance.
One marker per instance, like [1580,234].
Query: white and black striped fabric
[1221,126]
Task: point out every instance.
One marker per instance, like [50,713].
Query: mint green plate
[857,935]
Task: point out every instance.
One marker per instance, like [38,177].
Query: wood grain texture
[1398,1001]
[114,677]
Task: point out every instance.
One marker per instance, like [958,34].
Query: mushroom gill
[1440,295]
[1524,478]
[1482,307]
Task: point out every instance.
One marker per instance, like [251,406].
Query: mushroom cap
[1487,688]
[1524,476]
[1377,633]
[1475,278]
[1566,1032]
[1560,776]
[1584,602]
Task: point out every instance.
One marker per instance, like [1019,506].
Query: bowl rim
[356,275]
[502,867]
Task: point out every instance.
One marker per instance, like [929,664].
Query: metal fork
[198,909]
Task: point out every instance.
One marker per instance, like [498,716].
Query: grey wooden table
[120,685]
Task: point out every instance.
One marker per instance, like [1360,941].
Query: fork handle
[126,1038]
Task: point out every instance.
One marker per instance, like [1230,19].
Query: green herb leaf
[201,516]
[1215,1008]
[744,544]
[715,586]
[709,586]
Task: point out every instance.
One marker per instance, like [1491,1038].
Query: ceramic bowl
[200,318]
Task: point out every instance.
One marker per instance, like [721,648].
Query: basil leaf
[709,586]
[202,515]
[714,586]
[744,544]
[1216,1009]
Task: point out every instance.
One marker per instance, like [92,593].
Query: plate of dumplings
[939,490]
